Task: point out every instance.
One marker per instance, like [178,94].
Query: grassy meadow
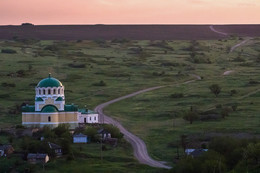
[127,66]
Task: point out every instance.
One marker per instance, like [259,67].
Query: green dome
[49,82]
[49,108]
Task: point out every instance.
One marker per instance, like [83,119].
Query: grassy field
[85,158]
[127,66]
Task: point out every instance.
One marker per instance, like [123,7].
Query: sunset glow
[130,11]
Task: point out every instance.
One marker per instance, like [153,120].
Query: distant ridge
[133,32]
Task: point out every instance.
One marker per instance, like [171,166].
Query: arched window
[49,119]
[43,92]
[54,91]
[40,92]
[49,91]
[58,91]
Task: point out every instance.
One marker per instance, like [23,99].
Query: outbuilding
[5,150]
[80,138]
[195,152]
[104,133]
[37,158]
[56,149]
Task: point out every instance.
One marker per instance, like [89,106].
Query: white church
[50,108]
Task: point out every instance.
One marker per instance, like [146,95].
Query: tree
[215,89]
[61,130]
[188,164]
[183,142]
[115,132]
[225,112]
[91,132]
[252,153]
[191,115]
[233,92]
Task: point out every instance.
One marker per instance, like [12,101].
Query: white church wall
[87,118]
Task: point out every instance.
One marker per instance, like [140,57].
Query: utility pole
[101,154]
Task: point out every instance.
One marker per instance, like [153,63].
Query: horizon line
[125,24]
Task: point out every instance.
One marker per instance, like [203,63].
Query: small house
[6,150]
[56,149]
[34,158]
[80,138]
[104,133]
[195,152]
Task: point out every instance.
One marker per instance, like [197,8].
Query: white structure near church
[50,108]
[87,116]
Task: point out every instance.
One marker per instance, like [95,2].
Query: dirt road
[226,34]
[140,150]
[216,31]
[226,73]
[240,44]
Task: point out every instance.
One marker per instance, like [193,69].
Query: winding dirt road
[226,34]
[140,150]
[216,31]
[240,44]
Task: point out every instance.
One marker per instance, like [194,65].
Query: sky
[41,12]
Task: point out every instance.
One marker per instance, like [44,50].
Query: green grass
[153,116]
[88,158]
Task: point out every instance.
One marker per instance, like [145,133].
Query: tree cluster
[225,154]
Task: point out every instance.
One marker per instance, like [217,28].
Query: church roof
[49,82]
[59,99]
[49,108]
[71,108]
[28,108]
[86,111]
[39,99]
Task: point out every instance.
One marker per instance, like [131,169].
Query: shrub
[100,83]
[19,127]
[4,95]
[158,73]
[252,82]
[177,95]
[20,73]
[225,112]
[233,92]
[51,48]
[234,107]
[118,40]
[4,84]
[162,44]
[190,116]
[77,65]
[219,106]
[209,117]
[174,64]
[215,89]
[9,51]
[239,59]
